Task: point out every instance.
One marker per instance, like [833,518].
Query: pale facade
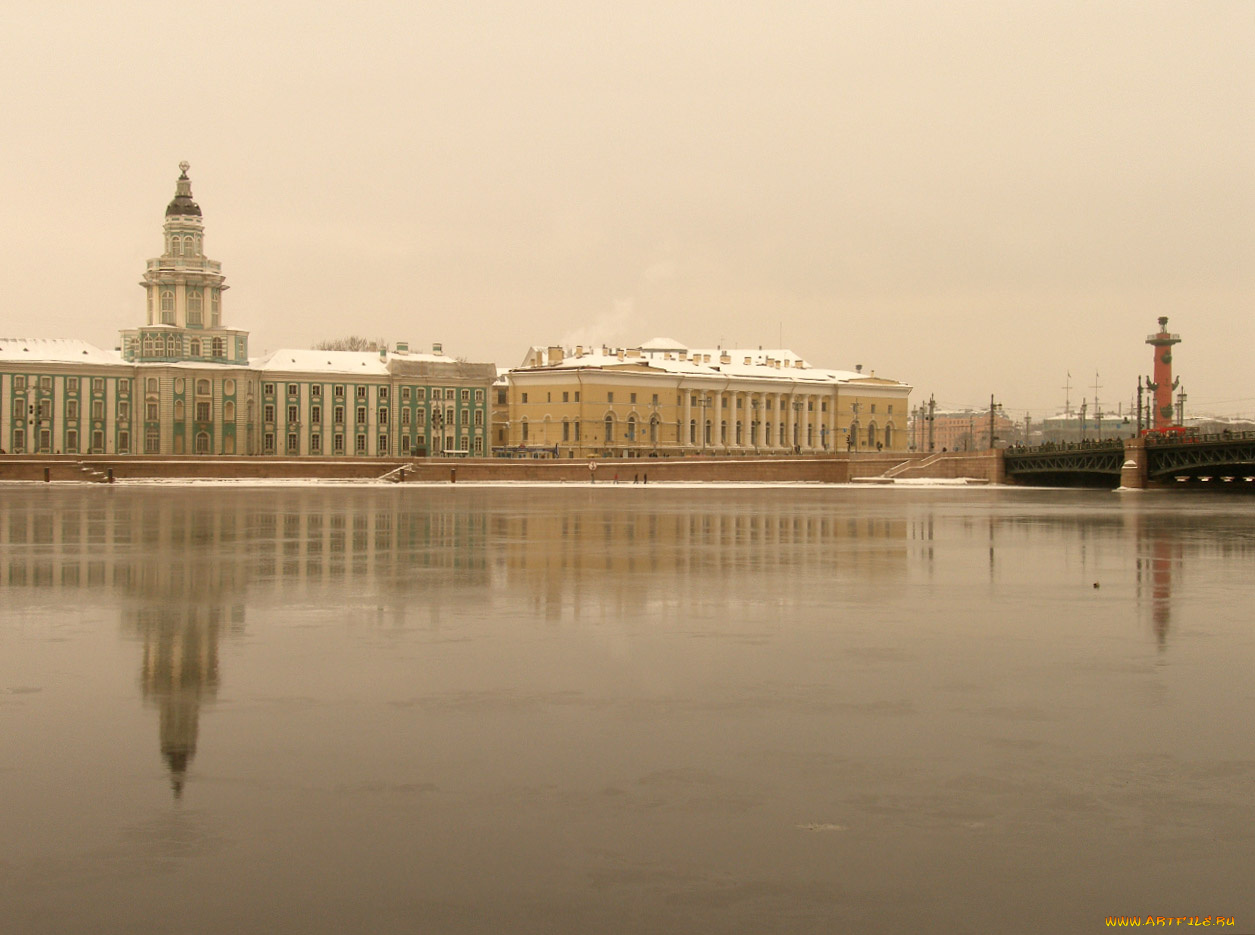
[182,383]
[663,399]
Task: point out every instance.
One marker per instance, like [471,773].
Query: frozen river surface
[623,709]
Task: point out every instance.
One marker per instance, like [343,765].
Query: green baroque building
[183,384]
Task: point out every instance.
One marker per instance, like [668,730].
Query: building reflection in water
[603,557]
[186,589]
[182,566]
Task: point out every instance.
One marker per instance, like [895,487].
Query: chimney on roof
[383,352]
[858,368]
[798,363]
[437,348]
[725,358]
[403,347]
[555,356]
[705,358]
[634,352]
[748,361]
[579,350]
[619,353]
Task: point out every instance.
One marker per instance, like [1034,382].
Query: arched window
[172,345]
[653,430]
[228,411]
[220,347]
[195,347]
[723,432]
[194,307]
[202,387]
[871,434]
[189,247]
[609,429]
[706,433]
[178,410]
[167,307]
[215,308]
[525,431]
[888,436]
[631,428]
[202,443]
[692,431]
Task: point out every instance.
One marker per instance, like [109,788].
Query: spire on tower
[183,205]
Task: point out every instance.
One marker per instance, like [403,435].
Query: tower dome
[183,205]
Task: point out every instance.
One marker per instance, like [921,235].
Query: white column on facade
[687,417]
[832,421]
[716,440]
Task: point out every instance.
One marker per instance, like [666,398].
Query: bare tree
[353,342]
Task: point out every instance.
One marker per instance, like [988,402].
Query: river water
[573,709]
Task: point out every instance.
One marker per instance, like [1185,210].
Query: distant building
[1081,425]
[182,383]
[663,398]
[964,430]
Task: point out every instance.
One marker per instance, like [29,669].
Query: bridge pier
[1134,473]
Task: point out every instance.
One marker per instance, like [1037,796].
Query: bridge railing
[1225,436]
[1105,444]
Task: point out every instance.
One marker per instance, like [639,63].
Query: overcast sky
[974,198]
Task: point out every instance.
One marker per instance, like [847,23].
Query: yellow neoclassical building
[664,399]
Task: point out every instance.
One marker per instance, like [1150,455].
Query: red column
[1162,382]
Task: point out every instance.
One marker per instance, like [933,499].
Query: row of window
[170,345]
[43,409]
[44,384]
[408,416]
[407,393]
[182,246]
[694,400]
[293,444]
[571,432]
[195,305]
[43,442]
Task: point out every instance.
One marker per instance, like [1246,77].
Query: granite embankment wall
[833,469]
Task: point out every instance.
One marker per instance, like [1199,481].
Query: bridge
[1226,458]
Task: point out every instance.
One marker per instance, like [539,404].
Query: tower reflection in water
[185,590]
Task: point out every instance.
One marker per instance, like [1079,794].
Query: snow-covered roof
[56,350]
[660,356]
[303,360]
[663,344]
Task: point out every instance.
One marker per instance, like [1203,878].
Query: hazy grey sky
[970,197]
